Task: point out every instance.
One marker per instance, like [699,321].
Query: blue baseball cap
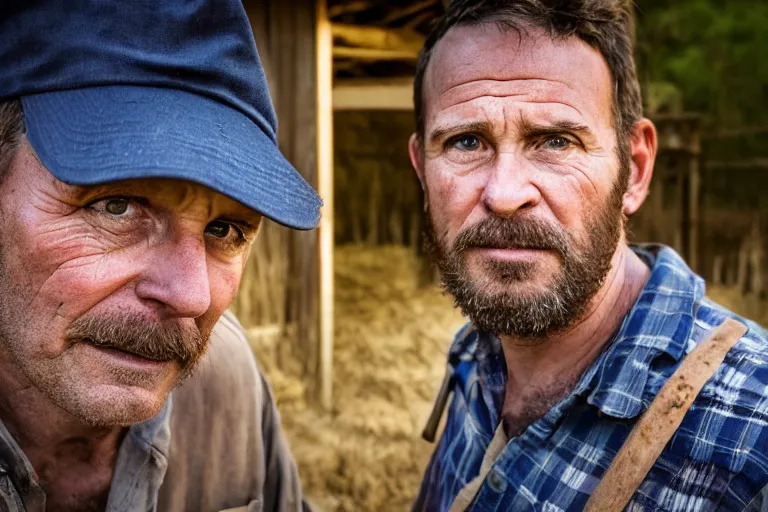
[117,90]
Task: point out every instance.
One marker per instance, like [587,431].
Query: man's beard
[184,345]
[530,315]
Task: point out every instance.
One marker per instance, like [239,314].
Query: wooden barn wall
[377,193]
[280,285]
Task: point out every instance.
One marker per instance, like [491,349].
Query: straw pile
[391,341]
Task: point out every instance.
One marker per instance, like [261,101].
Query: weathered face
[108,294]
[520,167]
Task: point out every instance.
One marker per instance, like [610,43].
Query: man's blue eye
[467,142]
[557,143]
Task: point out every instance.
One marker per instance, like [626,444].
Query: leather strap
[467,494]
[662,419]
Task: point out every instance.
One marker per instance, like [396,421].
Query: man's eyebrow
[529,128]
[83,192]
[472,127]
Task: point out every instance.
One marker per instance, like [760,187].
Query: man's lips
[121,351]
[517,254]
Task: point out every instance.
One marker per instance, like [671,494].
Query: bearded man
[532,152]
[138,157]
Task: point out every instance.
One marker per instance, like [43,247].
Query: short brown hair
[602,24]
[12,128]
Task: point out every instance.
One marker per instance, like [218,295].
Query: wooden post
[286,35]
[756,257]
[694,198]
[718,276]
[743,266]
[324,60]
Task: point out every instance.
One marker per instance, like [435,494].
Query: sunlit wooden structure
[671,213]
[287,289]
[306,45]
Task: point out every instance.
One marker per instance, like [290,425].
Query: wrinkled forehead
[483,60]
[172,193]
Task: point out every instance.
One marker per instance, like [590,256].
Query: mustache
[134,334]
[512,233]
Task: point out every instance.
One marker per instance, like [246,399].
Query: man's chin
[119,407]
[510,284]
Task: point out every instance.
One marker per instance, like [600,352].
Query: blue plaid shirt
[717,460]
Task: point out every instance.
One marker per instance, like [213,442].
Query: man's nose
[510,188]
[177,277]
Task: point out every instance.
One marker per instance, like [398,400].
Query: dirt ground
[391,341]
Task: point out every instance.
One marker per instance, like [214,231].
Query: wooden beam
[324,46]
[349,8]
[418,20]
[377,38]
[756,164]
[737,132]
[372,55]
[408,10]
[388,94]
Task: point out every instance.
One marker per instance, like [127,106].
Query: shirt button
[497,481]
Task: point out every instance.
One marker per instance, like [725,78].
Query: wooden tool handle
[430,429]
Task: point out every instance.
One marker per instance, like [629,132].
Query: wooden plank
[373,54]
[349,8]
[418,20]
[754,164]
[300,61]
[737,132]
[324,116]
[408,10]
[377,37]
[285,34]
[373,94]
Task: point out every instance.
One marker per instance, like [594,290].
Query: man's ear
[416,152]
[642,155]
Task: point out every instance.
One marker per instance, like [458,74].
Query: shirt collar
[141,463]
[139,470]
[19,470]
[659,323]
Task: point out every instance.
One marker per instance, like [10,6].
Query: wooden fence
[743,266]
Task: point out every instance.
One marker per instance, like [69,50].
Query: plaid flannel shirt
[717,459]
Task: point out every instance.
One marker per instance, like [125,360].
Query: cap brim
[96,135]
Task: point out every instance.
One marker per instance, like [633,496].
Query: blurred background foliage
[709,56]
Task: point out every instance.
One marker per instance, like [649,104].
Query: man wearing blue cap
[137,158]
